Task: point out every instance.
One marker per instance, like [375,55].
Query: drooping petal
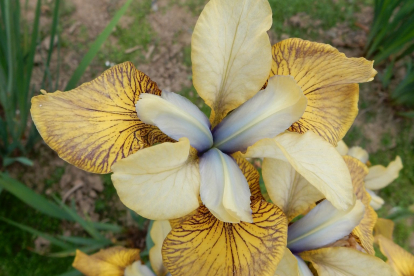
[379,176]
[400,260]
[204,245]
[342,148]
[376,201]
[160,182]
[315,159]
[342,261]
[224,189]
[159,231]
[384,227]
[328,79]
[362,232]
[231,53]
[177,117]
[269,113]
[287,188]
[96,124]
[107,262]
[288,265]
[359,153]
[323,225]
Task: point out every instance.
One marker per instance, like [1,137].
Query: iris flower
[336,242]
[399,259]
[378,177]
[291,103]
[120,261]
[114,261]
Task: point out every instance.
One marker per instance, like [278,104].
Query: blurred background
[48,207]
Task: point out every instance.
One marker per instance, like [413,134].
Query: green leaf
[409,114]
[53,240]
[31,198]
[72,252]
[84,241]
[103,36]
[25,161]
[107,227]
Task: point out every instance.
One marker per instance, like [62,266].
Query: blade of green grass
[94,49]
[84,241]
[31,198]
[48,237]
[72,252]
[72,273]
[86,225]
[107,227]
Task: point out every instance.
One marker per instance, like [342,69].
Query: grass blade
[53,240]
[72,273]
[87,59]
[84,241]
[72,252]
[31,198]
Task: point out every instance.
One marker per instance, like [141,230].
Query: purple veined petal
[270,112]
[323,225]
[177,117]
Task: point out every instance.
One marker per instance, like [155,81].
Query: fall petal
[400,260]
[204,245]
[328,79]
[159,231]
[96,124]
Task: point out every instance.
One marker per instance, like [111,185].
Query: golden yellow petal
[159,230]
[363,233]
[343,261]
[203,245]
[105,262]
[231,53]
[384,227]
[288,265]
[96,124]
[328,79]
[401,260]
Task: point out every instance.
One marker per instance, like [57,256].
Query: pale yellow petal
[288,265]
[203,245]
[287,188]
[315,159]
[161,182]
[343,261]
[342,148]
[384,227]
[376,201]
[107,262]
[328,79]
[363,233]
[138,269]
[231,53]
[96,124]
[159,231]
[380,177]
[398,258]
[359,153]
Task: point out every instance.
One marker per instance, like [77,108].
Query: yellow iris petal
[328,79]
[160,182]
[231,53]
[107,262]
[203,245]
[159,230]
[96,124]
[288,189]
[363,232]
[342,261]
[380,176]
[398,258]
[384,227]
